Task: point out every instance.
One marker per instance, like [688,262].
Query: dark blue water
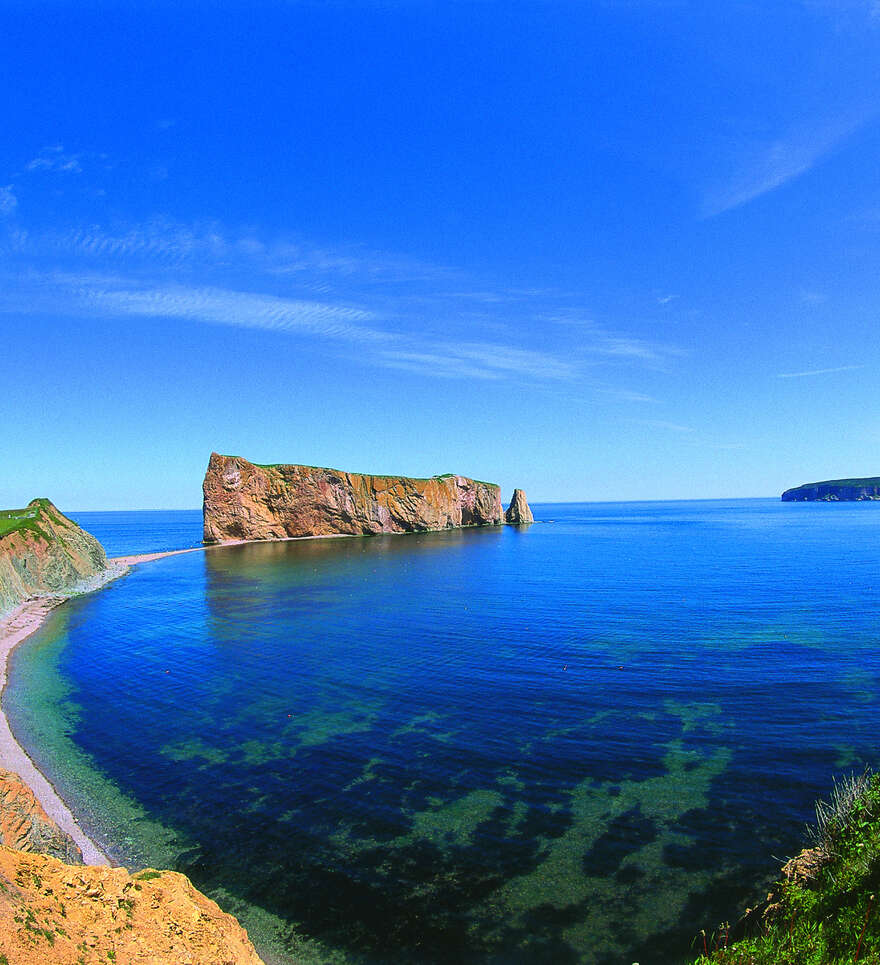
[580,742]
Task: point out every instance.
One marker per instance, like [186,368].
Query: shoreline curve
[23,621]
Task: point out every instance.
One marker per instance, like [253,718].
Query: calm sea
[580,742]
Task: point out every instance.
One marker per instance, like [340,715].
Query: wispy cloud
[774,163]
[661,424]
[54,158]
[666,299]
[390,307]
[800,375]
[167,244]
[226,307]
[8,200]
[811,297]
[626,395]
[483,360]
[601,342]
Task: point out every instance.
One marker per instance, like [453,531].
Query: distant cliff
[44,552]
[834,490]
[64,912]
[247,501]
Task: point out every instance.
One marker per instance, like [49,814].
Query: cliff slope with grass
[835,490]
[243,500]
[823,910]
[57,913]
[43,552]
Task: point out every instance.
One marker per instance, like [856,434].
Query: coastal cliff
[243,500]
[42,552]
[835,490]
[71,914]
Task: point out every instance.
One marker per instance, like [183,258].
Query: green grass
[29,519]
[375,475]
[830,917]
[864,481]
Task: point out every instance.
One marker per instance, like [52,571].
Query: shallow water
[578,742]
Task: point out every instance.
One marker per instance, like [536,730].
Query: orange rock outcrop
[52,913]
[25,826]
[247,501]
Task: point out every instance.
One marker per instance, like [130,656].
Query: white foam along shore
[17,626]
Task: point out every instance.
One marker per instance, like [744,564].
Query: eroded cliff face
[25,826]
[518,512]
[65,914]
[247,501]
[44,552]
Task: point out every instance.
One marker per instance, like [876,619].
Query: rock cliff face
[25,826]
[518,512]
[248,501]
[835,490]
[84,915]
[44,552]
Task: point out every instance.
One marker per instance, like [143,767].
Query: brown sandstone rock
[247,501]
[55,914]
[518,512]
[25,826]
[46,553]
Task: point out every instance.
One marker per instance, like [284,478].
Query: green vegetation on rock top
[29,518]
[863,481]
[375,475]
[825,911]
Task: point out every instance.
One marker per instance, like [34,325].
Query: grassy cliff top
[860,481]
[375,475]
[29,518]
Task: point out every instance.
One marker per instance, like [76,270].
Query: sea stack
[244,500]
[518,512]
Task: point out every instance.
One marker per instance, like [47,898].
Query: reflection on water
[579,742]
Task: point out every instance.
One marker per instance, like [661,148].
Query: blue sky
[600,250]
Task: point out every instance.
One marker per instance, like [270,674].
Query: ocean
[580,742]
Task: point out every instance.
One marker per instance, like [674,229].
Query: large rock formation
[835,490]
[44,552]
[248,501]
[518,512]
[52,912]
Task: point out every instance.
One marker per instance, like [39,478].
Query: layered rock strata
[518,512]
[43,552]
[243,500]
[65,914]
[835,490]
[25,826]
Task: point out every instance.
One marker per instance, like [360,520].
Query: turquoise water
[580,742]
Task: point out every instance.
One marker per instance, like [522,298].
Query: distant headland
[835,490]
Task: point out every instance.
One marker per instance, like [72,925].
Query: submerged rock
[243,500]
[518,512]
